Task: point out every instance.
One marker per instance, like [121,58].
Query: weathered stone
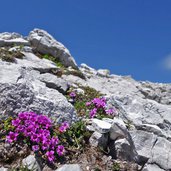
[144,143]
[125,150]
[46,44]
[79,91]
[21,90]
[98,139]
[161,153]
[11,39]
[103,72]
[152,167]
[70,167]
[101,126]
[118,129]
[54,82]
[150,128]
[31,163]
[3,169]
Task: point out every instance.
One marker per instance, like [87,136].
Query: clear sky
[129,37]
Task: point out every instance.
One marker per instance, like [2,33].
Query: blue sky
[129,37]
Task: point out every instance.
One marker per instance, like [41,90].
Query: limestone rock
[3,169]
[101,126]
[31,163]
[21,90]
[11,39]
[103,72]
[125,151]
[152,167]
[54,82]
[118,129]
[98,140]
[69,167]
[161,153]
[46,44]
[144,142]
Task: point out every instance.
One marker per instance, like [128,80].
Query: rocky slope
[31,80]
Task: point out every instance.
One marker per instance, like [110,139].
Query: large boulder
[22,90]
[46,44]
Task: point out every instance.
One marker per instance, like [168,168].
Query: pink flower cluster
[99,105]
[37,129]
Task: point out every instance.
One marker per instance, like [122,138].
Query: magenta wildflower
[60,150]
[20,128]
[23,116]
[16,122]
[35,147]
[12,136]
[64,126]
[93,112]
[88,103]
[72,94]
[110,111]
[35,138]
[99,102]
[54,141]
[50,155]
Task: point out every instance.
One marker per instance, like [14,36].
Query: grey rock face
[125,151]
[103,72]
[21,90]
[144,142]
[46,44]
[118,129]
[31,163]
[3,169]
[152,167]
[161,153]
[54,82]
[98,140]
[101,126]
[10,39]
[70,167]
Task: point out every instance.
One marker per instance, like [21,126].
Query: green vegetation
[81,99]
[22,168]
[116,167]
[76,137]
[53,59]
[9,56]
[74,72]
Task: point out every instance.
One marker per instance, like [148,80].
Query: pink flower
[35,147]
[12,136]
[110,111]
[93,112]
[99,102]
[64,126]
[50,155]
[16,122]
[72,94]
[60,150]
[88,103]
[35,138]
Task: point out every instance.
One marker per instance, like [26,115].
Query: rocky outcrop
[46,44]
[140,133]
[22,89]
[145,109]
[11,39]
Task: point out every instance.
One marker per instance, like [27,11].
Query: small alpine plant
[98,108]
[37,131]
